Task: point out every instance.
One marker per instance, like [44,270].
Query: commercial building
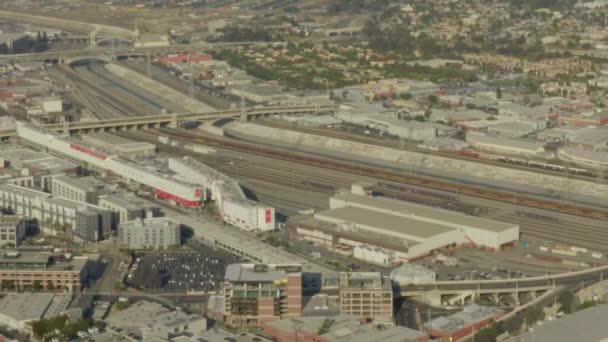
[170,188]
[386,231]
[340,328]
[128,207]
[261,293]
[366,295]
[12,230]
[516,129]
[84,221]
[502,145]
[150,233]
[454,327]
[234,207]
[120,146]
[18,309]
[149,321]
[23,270]
[584,326]
[584,157]
[77,189]
[592,138]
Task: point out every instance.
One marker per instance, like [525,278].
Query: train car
[166,187]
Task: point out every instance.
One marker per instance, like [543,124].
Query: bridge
[106,53]
[458,292]
[173,120]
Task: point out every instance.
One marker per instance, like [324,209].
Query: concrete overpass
[458,292]
[106,53]
[173,120]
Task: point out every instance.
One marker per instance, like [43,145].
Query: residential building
[150,233]
[22,270]
[366,295]
[78,189]
[128,207]
[454,327]
[260,293]
[340,328]
[12,230]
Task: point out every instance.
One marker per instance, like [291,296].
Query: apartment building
[151,233]
[259,293]
[366,295]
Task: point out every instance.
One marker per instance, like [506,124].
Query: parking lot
[201,270]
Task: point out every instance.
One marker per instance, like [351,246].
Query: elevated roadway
[108,53]
[173,120]
[437,292]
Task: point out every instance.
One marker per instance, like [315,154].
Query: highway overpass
[173,120]
[108,53]
[440,292]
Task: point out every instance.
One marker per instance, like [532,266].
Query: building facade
[366,295]
[259,293]
[152,233]
[12,230]
[85,189]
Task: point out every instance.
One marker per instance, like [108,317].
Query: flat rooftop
[530,145]
[398,226]
[469,315]
[255,273]
[421,212]
[33,306]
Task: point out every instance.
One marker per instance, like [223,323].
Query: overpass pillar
[173,123]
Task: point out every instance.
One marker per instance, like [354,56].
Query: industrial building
[260,293]
[516,129]
[592,138]
[128,207]
[22,270]
[234,207]
[366,295]
[18,309]
[124,148]
[584,157]
[472,318]
[386,231]
[343,328]
[503,145]
[149,321]
[166,187]
[78,189]
[85,221]
[12,230]
[150,233]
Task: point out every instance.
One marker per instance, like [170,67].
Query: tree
[37,285]
[406,96]
[433,99]
[533,314]
[50,286]
[499,93]
[324,328]
[568,301]
[118,286]
[513,325]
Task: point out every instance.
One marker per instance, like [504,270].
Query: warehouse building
[397,231]
[128,207]
[120,146]
[78,189]
[503,145]
[591,138]
[584,157]
[454,327]
[21,270]
[412,274]
[151,233]
[366,295]
[259,293]
[516,129]
[85,221]
[342,328]
[18,309]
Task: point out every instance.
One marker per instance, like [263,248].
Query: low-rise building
[78,189]
[123,147]
[503,145]
[592,138]
[12,230]
[454,327]
[412,274]
[18,309]
[150,233]
[128,207]
[260,293]
[23,270]
[366,295]
[340,328]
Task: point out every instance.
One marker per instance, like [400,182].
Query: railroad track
[412,148]
[389,175]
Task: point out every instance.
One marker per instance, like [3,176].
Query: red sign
[198,192]
[87,151]
[268,215]
[177,199]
